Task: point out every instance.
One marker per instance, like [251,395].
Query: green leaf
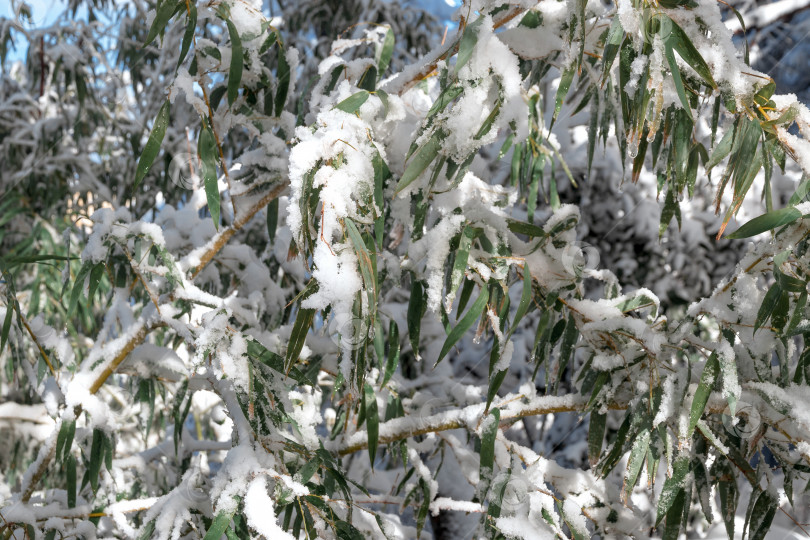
[520,227]
[672,487]
[164,13]
[464,324]
[525,297]
[596,434]
[393,352]
[676,77]
[420,161]
[352,103]
[207,148]
[467,44]
[678,40]
[635,462]
[703,392]
[96,457]
[218,526]
[762,514]
[237,63]
[725,478]
[6,327]
[417,305]
[272,219]
[60,440]
[70,477]
[303,321]
[489,431]
[78,285]
[367,266]
[150,151]
[283,75]
[460,262]
[95,279]
[766,222]
[188,36]
[674,516]
[372,422]
[612,43]
[562,91]
[385,52]
[768,304]
[671,209]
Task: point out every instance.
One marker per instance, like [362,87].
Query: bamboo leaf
[419,162]
[612,43]
[464,324]
[96,457]
[352,103]
[207,148]
[95,278]
[272,219]
[78,285]
[70,477]
[283,76]
[679,41]
[460,263]
[237,63]
[385,52]
[393,352]
[467,44]
[164,13]
[218,526]
[703,392]
[596,434]
[152,147]
[372,422]
[188,36]
[635,462]
[766,222]
[768,305]
[562,91]
[303,321]
[672,487]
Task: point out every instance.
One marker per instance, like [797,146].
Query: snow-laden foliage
[315,272]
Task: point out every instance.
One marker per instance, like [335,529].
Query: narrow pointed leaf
[766,222]
[237,63]
[150,151]
[464,324]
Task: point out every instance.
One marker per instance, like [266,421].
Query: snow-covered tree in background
[326,268]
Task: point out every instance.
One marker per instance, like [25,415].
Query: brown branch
[447,51]
[222,237]
[410,426]
[136,339]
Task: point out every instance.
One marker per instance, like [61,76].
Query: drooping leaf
[420,161]
[152,147]
[393,352]
[96,457]
[237,63]
[464,324]
[164,13]
[672,487]
[468,41]
[703,392]
[385,52]
[562,91]
[188,36]
[372,422]
[283,75]
[207,148]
